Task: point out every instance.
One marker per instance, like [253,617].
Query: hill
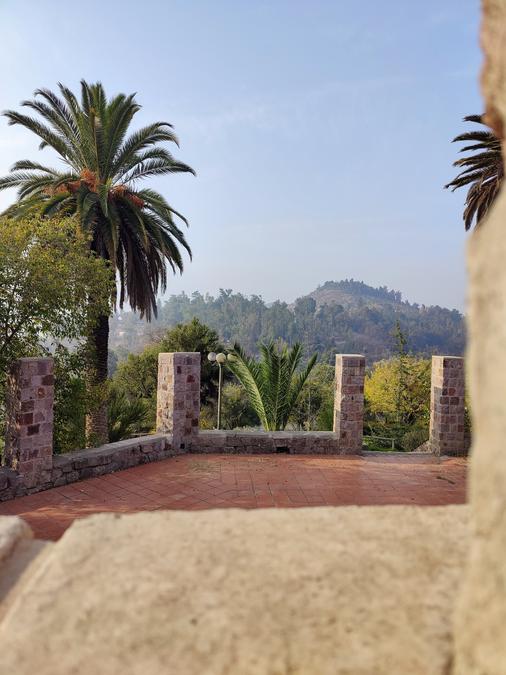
[338,316]
[351,293]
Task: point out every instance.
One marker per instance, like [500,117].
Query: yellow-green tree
[382,391]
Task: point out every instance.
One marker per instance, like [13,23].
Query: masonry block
[178,397]
[29,419]
[447,406]
[349,402]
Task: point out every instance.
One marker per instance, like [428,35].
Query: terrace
[202,481]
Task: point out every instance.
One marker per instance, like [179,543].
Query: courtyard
[202,481]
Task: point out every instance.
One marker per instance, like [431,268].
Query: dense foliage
[397,401]
[274,382]
[483,170]
[314,410]
[348,317]
[236,409]
[47,275]
[134,229]
[71,400]
[135,378]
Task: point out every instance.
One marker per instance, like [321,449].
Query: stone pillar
[178,397]
[29,419]
[349,402]
[447,406]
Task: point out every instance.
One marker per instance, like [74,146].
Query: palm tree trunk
[96,419]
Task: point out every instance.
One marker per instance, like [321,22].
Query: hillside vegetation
[339,316]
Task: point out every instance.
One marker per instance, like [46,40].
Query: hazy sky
[319,130]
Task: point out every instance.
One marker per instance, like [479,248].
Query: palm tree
[484,171]
[273,383]
[126,417]
[134,229]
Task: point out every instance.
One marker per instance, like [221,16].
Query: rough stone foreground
[350,590]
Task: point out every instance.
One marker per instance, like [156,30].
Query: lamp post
[220,359]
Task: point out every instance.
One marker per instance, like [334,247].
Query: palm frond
[274,383]
[483,171]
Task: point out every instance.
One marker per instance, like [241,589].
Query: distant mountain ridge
[338,316]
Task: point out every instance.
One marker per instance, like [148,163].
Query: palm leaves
[483,171]
[274,383]
[127,417]
[136,230]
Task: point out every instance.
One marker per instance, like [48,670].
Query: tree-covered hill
[344,316]
[350,293]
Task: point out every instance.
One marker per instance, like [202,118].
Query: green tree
[273,383]
[47,275]
[136,377]
[236,408]
[134,229]
[315,405]
[402,372]
[195,336]
[383,416]
[70,399]
[483,170]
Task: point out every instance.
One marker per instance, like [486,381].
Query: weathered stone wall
[447,406]
[349,402]
[75,466]
[29,419]
[480,628]
[178,396]
[258,442]
[81,464]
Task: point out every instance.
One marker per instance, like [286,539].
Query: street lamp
[220,359]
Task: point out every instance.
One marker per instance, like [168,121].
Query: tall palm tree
[483,171]
[274,383]
[134,229]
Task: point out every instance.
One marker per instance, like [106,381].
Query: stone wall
[29,419]
[258,442]
[447,406]
[81,464]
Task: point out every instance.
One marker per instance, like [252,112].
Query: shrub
[414,439]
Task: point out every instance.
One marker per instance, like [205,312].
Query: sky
[319,130]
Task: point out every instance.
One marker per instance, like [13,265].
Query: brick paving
[195,482]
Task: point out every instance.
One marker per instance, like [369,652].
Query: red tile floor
[196,482]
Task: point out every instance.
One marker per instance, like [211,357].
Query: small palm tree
[484,171]
[132,228]
[126,417]
[273,383]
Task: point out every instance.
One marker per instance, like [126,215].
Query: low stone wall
[75,466]
[81,464]
[257,442]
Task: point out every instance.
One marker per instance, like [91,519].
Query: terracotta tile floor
[220,481]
